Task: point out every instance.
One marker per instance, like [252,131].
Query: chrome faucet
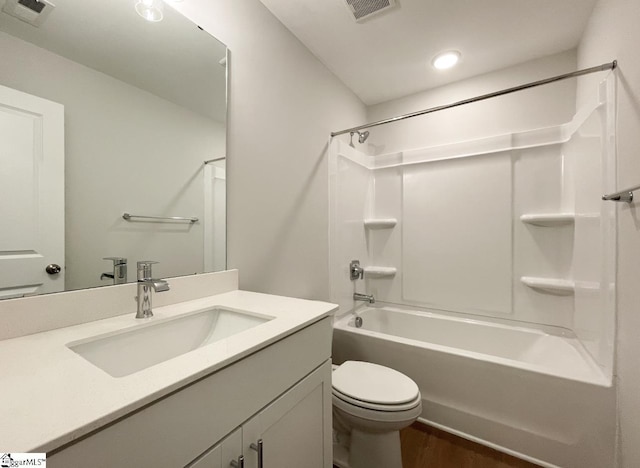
[364,297]
[355,270]
[145,283]
[119,274]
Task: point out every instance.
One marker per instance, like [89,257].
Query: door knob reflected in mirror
[53,269]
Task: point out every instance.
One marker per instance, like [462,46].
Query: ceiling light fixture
[151,10]
[446,59]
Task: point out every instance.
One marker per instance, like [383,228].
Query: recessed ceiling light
[151,10]
[446,59]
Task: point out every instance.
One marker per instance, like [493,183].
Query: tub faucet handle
[355,270]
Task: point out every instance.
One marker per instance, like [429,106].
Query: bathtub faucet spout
[364,297]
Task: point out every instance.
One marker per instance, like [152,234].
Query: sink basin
[124,353]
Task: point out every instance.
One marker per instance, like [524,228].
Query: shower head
[362,136]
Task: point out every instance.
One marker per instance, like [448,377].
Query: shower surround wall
[509,228]
[485,196]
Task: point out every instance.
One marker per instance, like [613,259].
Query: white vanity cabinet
[220,455]
[290,432]
[280,395]
[293,430]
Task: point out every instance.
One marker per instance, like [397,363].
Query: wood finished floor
[426,447]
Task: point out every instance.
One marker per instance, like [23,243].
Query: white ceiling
[389,55]
[172,59]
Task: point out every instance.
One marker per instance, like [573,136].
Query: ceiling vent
[365,9]
[33,12]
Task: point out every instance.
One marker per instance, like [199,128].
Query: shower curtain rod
[215,159]
[586,71]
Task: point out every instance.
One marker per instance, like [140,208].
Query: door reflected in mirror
[104,113]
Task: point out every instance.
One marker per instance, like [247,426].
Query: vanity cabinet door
[221,455]
[295,429]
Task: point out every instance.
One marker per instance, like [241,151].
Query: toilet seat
[374,387]
[376,406]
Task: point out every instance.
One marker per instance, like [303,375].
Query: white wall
[613,33]
[126,151]
[283,105]
[506,114]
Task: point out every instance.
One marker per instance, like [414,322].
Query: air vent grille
[363,9]
[33,12]
[33,5]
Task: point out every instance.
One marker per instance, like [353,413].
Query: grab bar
[622,196]
[129,217]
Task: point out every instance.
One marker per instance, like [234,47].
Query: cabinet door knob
[258,448]
[238,463]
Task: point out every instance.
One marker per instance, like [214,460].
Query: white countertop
[50,396]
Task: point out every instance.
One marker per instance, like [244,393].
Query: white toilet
[371,403]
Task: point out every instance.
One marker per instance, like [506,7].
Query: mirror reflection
[108,108]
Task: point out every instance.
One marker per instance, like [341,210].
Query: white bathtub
[534,393]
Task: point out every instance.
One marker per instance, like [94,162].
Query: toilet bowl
[371,403]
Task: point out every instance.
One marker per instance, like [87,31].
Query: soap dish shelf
[380,272]
[548,219]
[558,287]
[380,223]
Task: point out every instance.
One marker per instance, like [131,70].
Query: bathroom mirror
[108,108]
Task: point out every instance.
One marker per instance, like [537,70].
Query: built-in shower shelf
[559,287]
[380,223]
[380,272]
[548,219]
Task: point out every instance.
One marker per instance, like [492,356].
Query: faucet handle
[116,260]
[144,269]
[119,273]
[355,270]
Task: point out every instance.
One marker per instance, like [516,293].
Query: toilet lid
[373,383]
